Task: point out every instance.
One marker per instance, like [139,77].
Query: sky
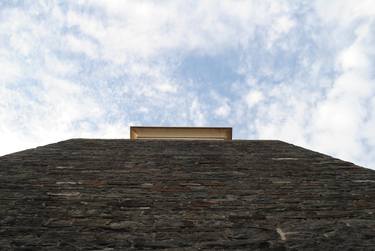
[298,71]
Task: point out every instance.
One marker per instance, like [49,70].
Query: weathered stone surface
[117,194]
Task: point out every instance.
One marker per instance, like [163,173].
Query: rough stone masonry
[88,194]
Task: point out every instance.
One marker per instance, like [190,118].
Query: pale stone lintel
[180,133]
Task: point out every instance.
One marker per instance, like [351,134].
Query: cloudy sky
[298,71]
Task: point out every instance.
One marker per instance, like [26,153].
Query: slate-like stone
[84,194]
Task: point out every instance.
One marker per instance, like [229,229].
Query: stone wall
[86,194]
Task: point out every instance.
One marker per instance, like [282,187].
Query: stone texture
[86,194]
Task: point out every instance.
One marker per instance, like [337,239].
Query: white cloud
[9,71]
[58,67]
[340,118]
[254,97]
[223,110]
[81,45]
[145,29]
[166,87]
[196,113]
[91,68]
[333,118]
[343,12]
